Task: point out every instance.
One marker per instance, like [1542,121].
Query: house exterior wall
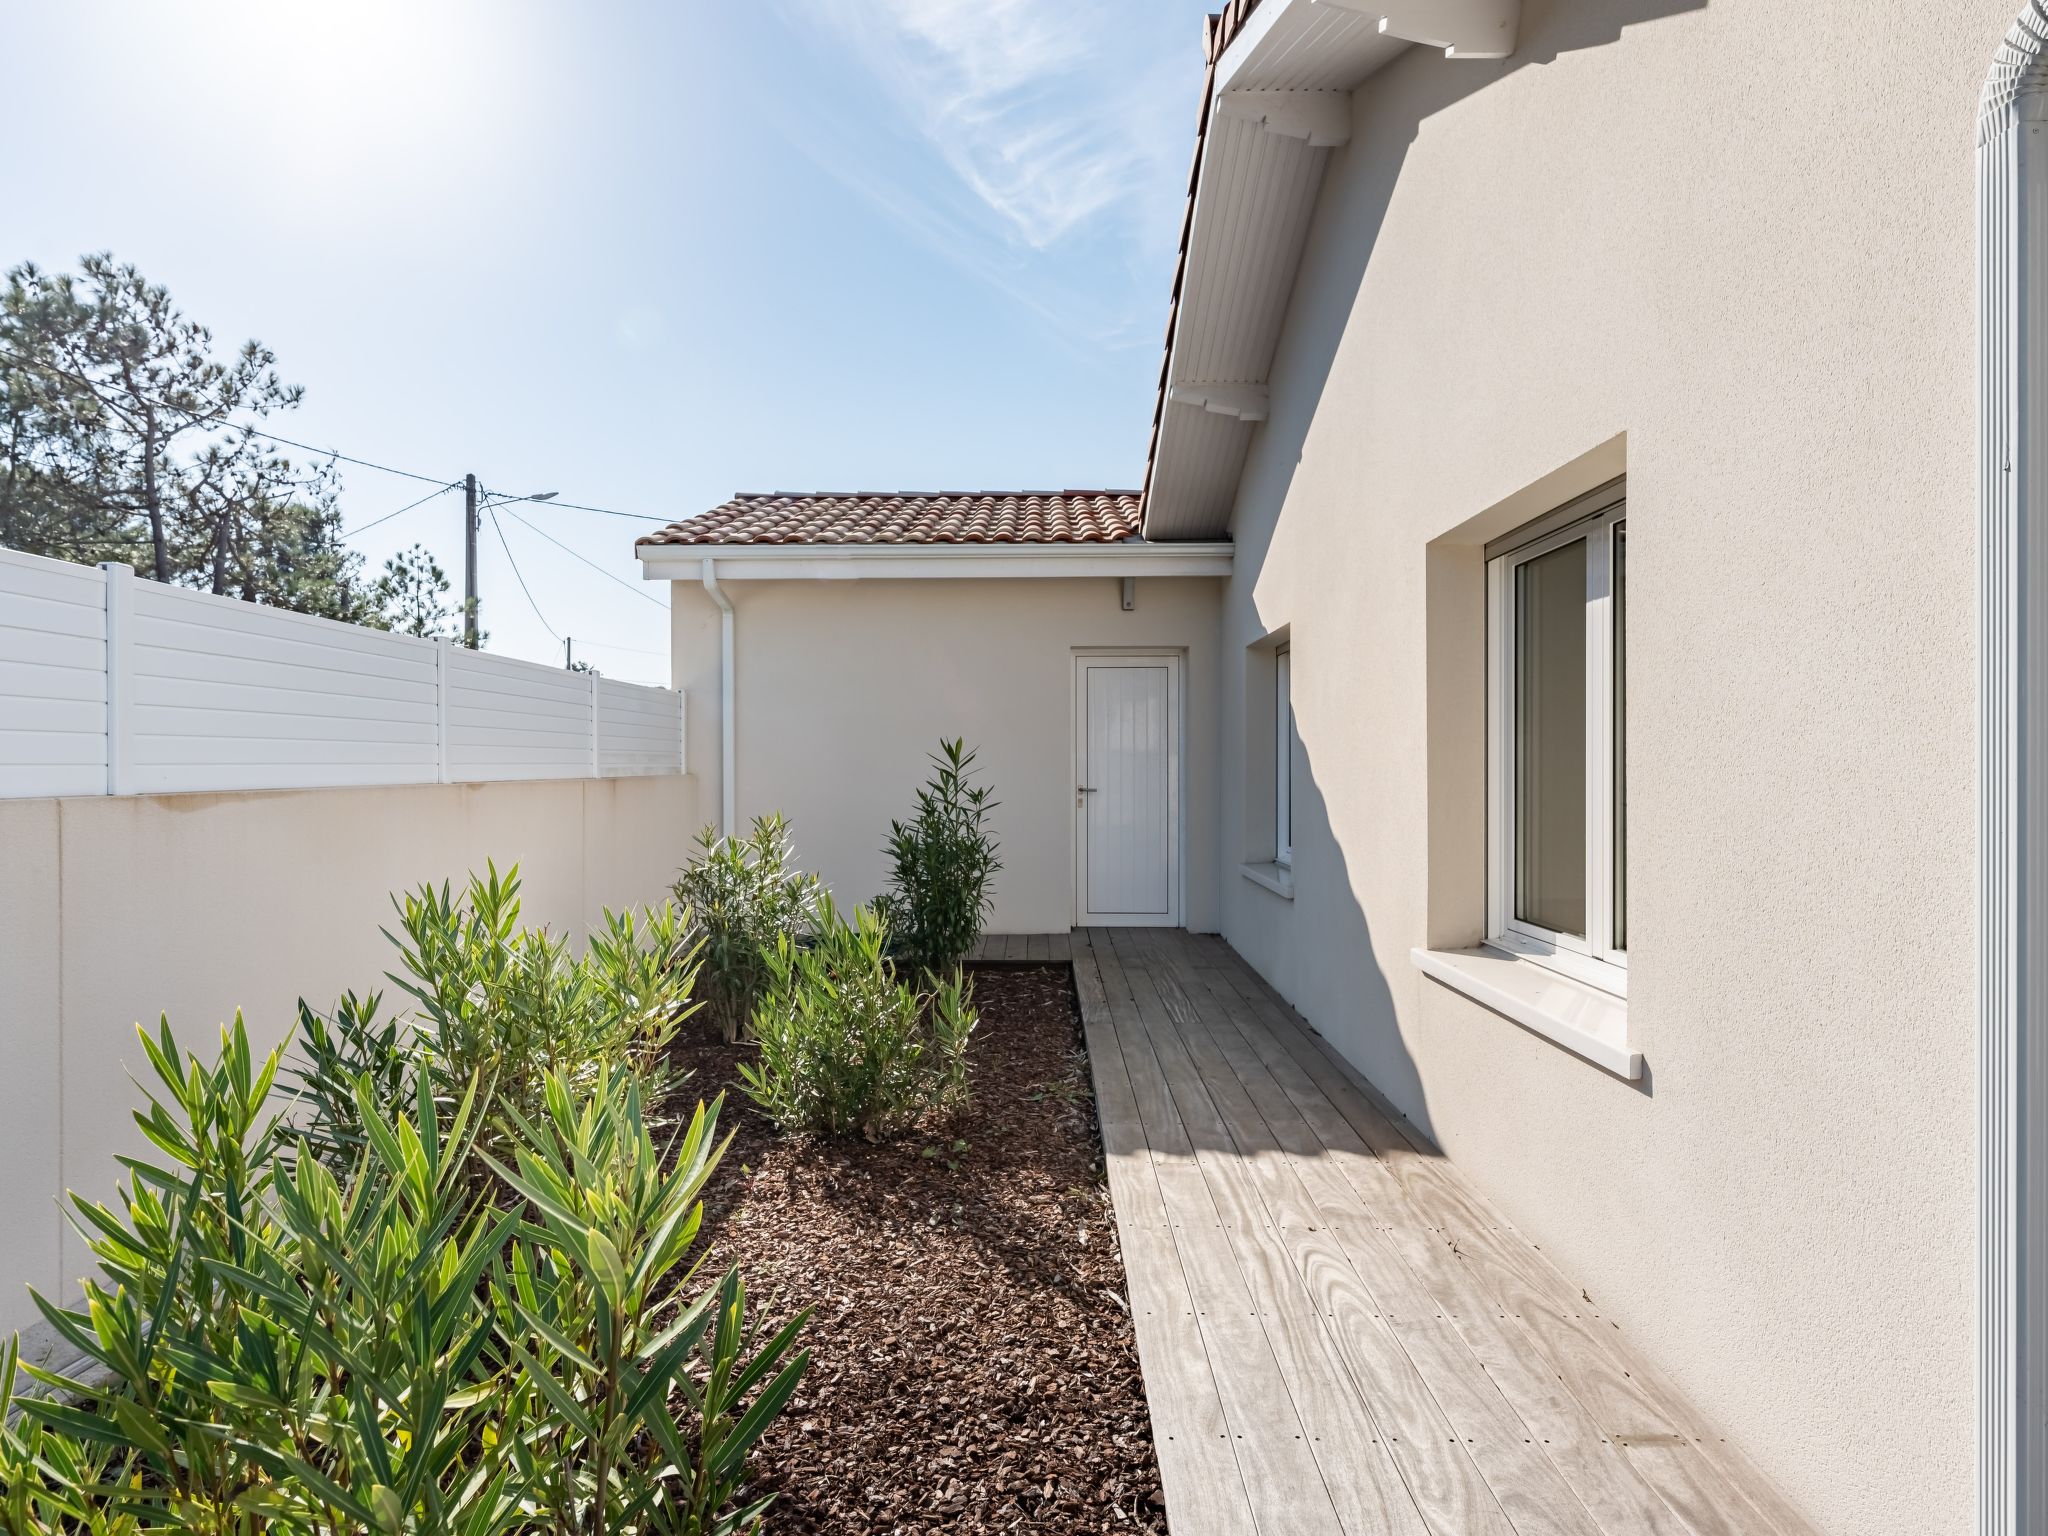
[116,909]
[1728,248]
[845,687]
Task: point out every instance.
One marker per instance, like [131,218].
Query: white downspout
[727,789]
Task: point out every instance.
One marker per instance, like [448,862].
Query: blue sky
[645,255]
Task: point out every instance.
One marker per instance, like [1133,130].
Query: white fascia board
[930,562]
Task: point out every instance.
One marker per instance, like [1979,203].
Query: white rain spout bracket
[1323,118]
[1247,402]
[1464,29]
[728,754]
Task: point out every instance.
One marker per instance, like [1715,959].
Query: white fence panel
[113,685]
[515,720]
[53,677]
[233,695]
[640,730]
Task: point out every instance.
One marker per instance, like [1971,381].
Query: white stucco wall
[114,910]
[844,687]
[1729,247]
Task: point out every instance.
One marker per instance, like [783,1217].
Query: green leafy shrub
[845,1047]
[508,1006]
[943,859]
[336,1052]
[293,1351]
[743,899]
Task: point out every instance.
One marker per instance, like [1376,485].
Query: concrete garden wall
[116,909]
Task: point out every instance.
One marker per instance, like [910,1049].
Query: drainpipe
[726,755]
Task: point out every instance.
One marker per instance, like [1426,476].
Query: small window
[1283,761]
[1557,829]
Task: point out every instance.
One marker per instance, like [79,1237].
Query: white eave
[1282,103]
[926,562]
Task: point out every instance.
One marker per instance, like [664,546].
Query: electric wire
[572,554]
[507,545]
[350,533]
[441,482]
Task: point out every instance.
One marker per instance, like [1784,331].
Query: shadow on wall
[1358,1016]
[1549,30]
[1355,1009]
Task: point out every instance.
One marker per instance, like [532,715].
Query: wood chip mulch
[973,1367]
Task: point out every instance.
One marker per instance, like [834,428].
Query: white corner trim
[1274,876]
[928,562]
[2012,796]
[1584,1020]
[1321,117]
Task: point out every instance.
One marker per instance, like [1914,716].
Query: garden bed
[973,1364]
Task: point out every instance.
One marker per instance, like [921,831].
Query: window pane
[1620,738]
[1283,767]
[1550,739]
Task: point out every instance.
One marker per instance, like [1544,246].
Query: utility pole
[469,561]
[569,653]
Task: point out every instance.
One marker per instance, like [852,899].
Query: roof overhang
[1277,101]
[929,562]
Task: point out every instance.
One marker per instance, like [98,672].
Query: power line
[506,544]
[442,491]
[325,453]
[572,554]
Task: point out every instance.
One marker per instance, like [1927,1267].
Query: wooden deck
[1022,949]
[1337,1333]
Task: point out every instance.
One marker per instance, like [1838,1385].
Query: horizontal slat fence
[111,685]
[53,677]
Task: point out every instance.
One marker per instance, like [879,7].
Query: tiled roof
[934,517]
[1219,31]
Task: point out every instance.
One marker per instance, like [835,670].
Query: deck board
[1338,1334]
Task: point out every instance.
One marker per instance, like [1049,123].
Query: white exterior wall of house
[1727,248]
[115,909]
[844,687]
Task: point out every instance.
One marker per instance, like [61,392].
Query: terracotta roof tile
[933,517]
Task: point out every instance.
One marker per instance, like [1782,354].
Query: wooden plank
[1283,1478]
[1707,1481]
[1013,946]
[1061,948]
[1352,1444]
[1466,1456]
[1455,1320]
[1198,1469]
[1038,948]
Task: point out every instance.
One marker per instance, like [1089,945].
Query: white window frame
[1595,518]
[1283,757]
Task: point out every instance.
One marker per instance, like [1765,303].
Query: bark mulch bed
[973,1367]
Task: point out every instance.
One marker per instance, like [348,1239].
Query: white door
[1127,789]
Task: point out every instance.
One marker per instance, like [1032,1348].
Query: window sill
[1277,878]
[1584,1020]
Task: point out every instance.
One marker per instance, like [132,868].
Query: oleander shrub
[943,862]
[283,1348]
[508,1006]
[845,1046]
[337,1052]
[743,898]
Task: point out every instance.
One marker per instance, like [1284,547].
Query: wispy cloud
[1040,124]
[1049,113]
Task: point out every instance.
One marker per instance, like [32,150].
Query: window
[1557,829]
[1283,763]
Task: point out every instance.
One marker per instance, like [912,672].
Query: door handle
[1086,789]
